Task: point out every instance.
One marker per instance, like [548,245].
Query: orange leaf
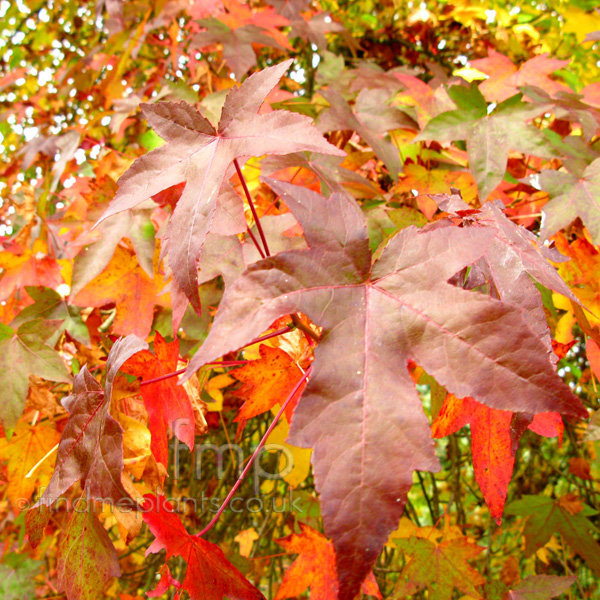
[126,284]
[505,78]
[28,446]
[28,267]
[267,381]
[314,568]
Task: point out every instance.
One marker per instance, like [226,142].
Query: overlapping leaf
[209,575]
[168,405]
[360,399]
[23,353]
[314,568]
[490,137]
[567,516]
[203,156]
[91,446]
[266,382]
[505,78]
[514,257]
[87,558]
[495,436]
[28,446]
[126,284]
[572,196]
[438,568]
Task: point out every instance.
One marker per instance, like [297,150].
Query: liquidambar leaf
[489,137]
[360,404]
[566,516]
[495,436]
[23,353]
[91,447]
[168,405]
[203,156]
[438,568]
[314,568]
[87,558]
[26,448]
[540,587]
[572,197]
[267,382]
[209,575]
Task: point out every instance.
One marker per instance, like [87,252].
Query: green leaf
[49,305]
[16,576]
[565,516]
[87,558]
[491,137]
[23,354]
[438,568]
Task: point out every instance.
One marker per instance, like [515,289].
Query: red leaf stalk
[255,454]
[253,209]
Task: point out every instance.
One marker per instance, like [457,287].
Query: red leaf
[209,575]
[495,436]
[203,156]
[361,403]
[168,405]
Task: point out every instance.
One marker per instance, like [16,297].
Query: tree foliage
[299,298]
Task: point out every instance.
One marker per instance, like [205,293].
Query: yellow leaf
[298,468]
[246,539]
[136,445]
[213,389]
[27,447]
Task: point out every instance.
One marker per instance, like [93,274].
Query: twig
[255,454]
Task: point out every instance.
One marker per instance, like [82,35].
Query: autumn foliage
[299,299]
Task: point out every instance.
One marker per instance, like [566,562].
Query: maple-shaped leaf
[438,568]
[360,404]
[370,118]
[27,447]
[209,575]
[514,257]
[490,137]
[505,78]
[428,102]
[238,51]
[96,255]
[203,156]
[24,353]
[305,25]
[91,446]
[23,267]
[17,576]
[267,381]
[333,176]
[572,196]
[168,405]
[569,106]
[87,558]
[50,305]
[567,516]
[495,436]
[126,284]
[540,587]
[314,568]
